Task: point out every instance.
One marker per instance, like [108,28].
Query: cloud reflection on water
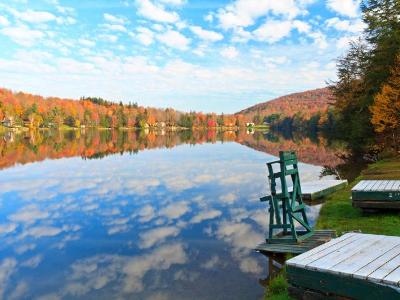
[163,224]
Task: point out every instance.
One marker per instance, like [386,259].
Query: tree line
[23,109]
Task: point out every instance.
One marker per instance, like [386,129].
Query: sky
[202,55]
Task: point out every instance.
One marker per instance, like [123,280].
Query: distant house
[161,124]
[27,122]
[8,122]
[250,124]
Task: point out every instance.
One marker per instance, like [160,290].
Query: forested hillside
[306,104]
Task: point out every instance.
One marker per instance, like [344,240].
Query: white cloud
[28,214]
[205,215]
[243,13]
[108,38]
[158,235]
[32,16]
[23,35]
[173,2]
[113,19]
[160,259]
[42,231]
[349,8]
[175,210]
[86,42]
[343,43]
[301,26]
[228,198]
[273,31]
[144,35]
[155,12]
[7,228]
[115,27]
[354,26]
[4,21]
[174,39]
[319,39]
[229,52]
[206,35]
[7,268]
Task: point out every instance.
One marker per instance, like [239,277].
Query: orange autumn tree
[386,108]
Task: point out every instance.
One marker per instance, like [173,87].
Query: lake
[139,215]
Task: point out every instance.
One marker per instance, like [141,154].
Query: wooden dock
[356,266]
[314,190]
[376,194]
[318,238]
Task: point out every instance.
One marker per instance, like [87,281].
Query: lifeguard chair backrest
[288,157]
[288,166]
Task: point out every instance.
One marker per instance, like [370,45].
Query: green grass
[277,288]
[337,213]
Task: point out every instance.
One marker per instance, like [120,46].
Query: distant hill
[307,103]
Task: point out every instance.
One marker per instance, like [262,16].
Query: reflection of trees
[34,146]
[308,150]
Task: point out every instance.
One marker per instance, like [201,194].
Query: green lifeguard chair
[288,223]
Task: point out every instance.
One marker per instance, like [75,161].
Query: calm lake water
[116,215]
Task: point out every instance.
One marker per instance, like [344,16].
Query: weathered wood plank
[393,277]
[362,269]
[365,256]
[319,237]
[360,186]
[369,184]
[384,184]
[396,186]
[392,185]
[380,185]
[372,187]
[321,251]
[377,263]
[328,261]
[384,270]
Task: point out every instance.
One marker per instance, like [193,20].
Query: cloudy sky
[205,55]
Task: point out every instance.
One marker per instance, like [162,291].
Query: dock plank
[370,184]
[380,185]
[368,269]
[320,251]
[396,186]
[384,185]
[333,258]
[367,255]
[373,185]
[393,277]
[360,186]
[383,271]
[363,266]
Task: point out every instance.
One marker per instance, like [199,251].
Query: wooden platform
[319,237]
[376,194]
[356,265]
[313,190]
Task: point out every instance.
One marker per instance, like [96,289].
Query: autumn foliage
[23,109]
[386,108]
[306,104]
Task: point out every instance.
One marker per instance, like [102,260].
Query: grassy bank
[337,213]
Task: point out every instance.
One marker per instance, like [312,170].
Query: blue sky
[198,55]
